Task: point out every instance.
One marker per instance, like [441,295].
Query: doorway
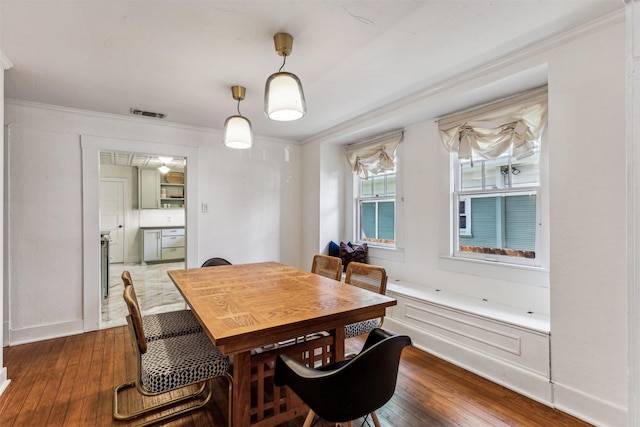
[92,147]
[133,198]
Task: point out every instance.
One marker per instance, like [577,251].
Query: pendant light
[164,168]
[283,96]
[237,129]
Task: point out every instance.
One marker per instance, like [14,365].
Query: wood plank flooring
[69,382]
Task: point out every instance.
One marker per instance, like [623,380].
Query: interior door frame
[91,147]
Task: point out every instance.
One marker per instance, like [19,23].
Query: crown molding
[133,119]
[475,71]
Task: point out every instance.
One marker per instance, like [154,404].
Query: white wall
[585,290]
[588,226]
[253,196]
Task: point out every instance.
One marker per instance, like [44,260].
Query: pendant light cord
[239,107]
[283,62]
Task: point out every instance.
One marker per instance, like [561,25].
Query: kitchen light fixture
[283,96]
[237,129]
[164,168]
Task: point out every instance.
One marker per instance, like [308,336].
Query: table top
[246,306]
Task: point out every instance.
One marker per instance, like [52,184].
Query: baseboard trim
[525,382]
[4,381]
[45,332]
[587,407]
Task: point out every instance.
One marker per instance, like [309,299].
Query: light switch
[205,208]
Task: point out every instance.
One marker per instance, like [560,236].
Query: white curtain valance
[490,132]
[375,155]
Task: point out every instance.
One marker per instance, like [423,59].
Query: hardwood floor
[69,382]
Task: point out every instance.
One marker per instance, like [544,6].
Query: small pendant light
[237,129]
[283,96]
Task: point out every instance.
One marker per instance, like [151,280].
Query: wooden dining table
[253,312]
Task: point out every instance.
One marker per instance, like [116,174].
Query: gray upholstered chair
[372,278]
[168,364]
[327,266]
[164,325]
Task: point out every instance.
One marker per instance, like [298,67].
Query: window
[374,166]
[497,209]
[496,179]
[377,209]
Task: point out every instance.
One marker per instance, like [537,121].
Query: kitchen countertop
[156,227]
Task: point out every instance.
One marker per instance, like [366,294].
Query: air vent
[148,114]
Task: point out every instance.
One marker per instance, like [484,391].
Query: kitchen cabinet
[156,193]
[163,244]
[149,180]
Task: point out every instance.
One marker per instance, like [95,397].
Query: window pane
[391,185]
[526,172]
[502,225]
[378,185]
[386,221]
[368,220]
[496,173]
[471,177]
[367,187]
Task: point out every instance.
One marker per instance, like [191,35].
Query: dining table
[254,312]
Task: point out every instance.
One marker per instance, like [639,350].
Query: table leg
[242,389]
[338,343]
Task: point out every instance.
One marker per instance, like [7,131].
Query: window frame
[456,193]
[360,199]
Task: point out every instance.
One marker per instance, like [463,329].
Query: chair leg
[374,417]
[230,408]
[309,419]
[120,416]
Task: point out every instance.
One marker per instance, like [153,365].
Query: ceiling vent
[148,113]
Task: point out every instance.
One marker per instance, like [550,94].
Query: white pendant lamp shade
[283,97]
[237,129]
[237,132]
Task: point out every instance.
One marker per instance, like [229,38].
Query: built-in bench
[507,345]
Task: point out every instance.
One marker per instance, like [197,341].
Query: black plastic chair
[350,389]
[213,262]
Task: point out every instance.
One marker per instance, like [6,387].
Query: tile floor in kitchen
[154,289]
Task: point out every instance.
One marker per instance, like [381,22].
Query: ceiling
[180,58]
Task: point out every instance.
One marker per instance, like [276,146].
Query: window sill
[525,274]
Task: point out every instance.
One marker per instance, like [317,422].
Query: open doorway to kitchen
[184,245]
[142,230]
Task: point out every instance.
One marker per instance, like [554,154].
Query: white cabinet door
[149,189]
[152,245]
[112,217]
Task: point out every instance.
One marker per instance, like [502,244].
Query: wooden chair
[369,277]
[350,389]
[164,325]
[327,266]
[168,364]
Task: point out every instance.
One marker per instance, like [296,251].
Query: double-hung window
[377,209]
[496,180]
[373,163]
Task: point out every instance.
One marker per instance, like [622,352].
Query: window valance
[374,155]
[490,131]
